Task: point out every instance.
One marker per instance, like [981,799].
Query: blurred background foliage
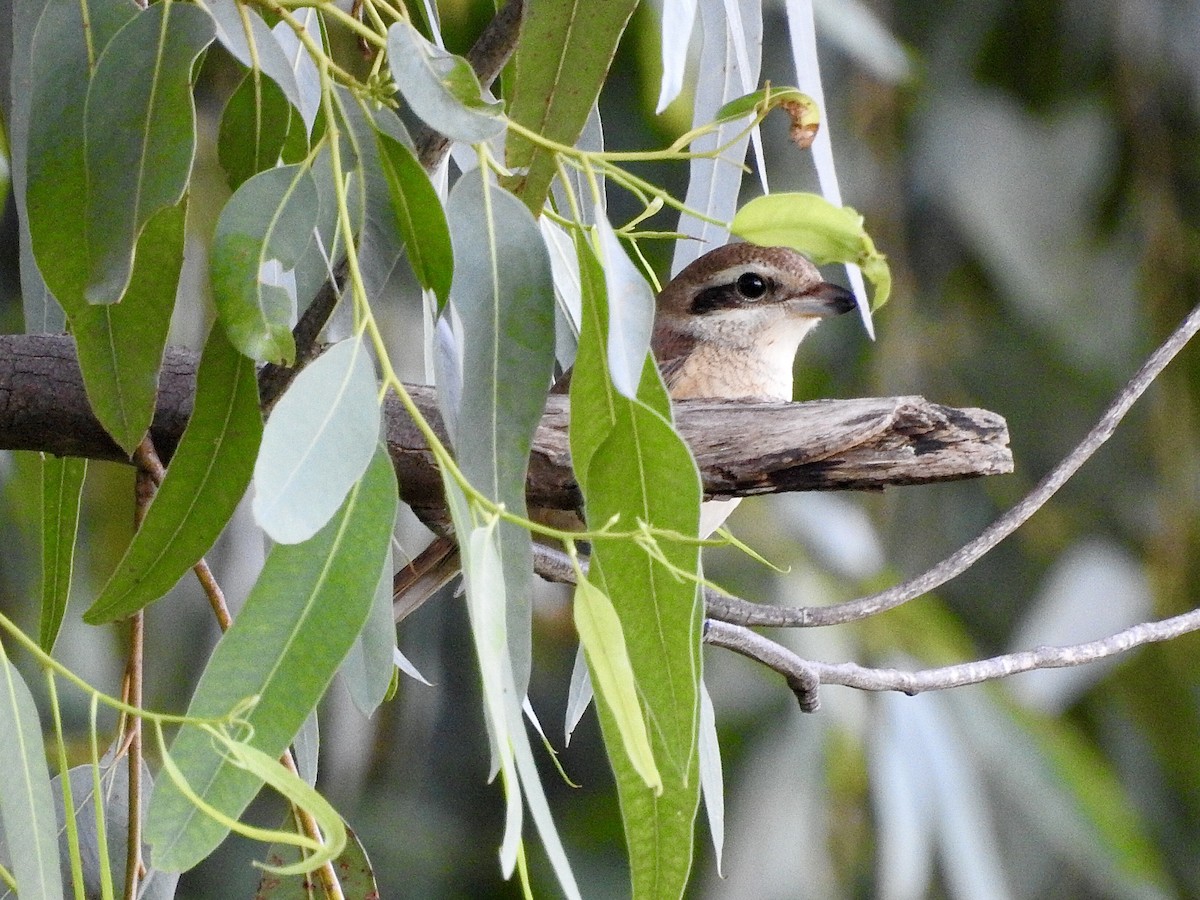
[1032,169]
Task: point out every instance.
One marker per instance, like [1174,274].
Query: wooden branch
[742,449]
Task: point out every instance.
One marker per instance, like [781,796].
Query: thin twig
[744,612]
[799,674]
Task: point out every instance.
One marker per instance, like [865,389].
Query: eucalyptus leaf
[120,346]
[419,217]
[140,124]
[820,230]
[267,223]
[504,292]
[254,127]
[441,88]
[562,60]
[371,663]
[579,695]
[630,312]
[62,488]
[300,61]
[62,56]
[775,96]
[241,31]
[356,878]
[678,17]
[633,467]
[602,638]
[318,442]
[204,483]
[303,614]
[307,749]
[26,803]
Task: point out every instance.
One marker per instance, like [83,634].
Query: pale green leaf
[807,111]
[62,488]
[120,346]
[630,311]
[552,98]
[371,664]
[261,234]
[712,780]
[303,614]
[821,231]
[504,292]
[441,88]
[603,640]
[26,802]
[205,481]
[318,441]
[140,127]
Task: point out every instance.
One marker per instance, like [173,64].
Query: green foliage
[62,487]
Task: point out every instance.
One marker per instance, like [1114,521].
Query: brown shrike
[727,327]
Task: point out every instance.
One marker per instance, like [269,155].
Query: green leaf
[632,465]
[261,234]
[241,31]
[306,609]
[821,231]
[140,123]
[562,60]
[771,97]
[504,293]
[630,311]
[441,88]
[204,483]
[603,640]
[419,216]
[63,54]
[317,443]
[121,345]
[254,127]
[62,487]
[26,802]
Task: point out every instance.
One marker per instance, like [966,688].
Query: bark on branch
[742,449]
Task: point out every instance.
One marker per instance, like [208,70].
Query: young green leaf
[419,216]
[140,126]
[772,97]
[554,99]
[317,443]
[207,477]
[26,804]
[602,638]
[303,614]
[121,345]
[62,487]
[441,88]
[262,232]
[504,292]
[821,231]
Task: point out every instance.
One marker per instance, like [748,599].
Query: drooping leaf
[562,60]
[630,312]
[712,779]
[120,346]
[441,88]
[307,749]
[26,802]
[419,216]
[206,478]
[370,665]
[504,292]
[317,443]
[241,31]
[62,487]
[743,106]
[140,127]
[62,55]
[254,127]
[355,875]
[632,465]
[821,231]
[261,234]
[306,609]
[308,79]
[678,17]
[602,637]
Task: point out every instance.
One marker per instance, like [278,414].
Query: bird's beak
[824,301]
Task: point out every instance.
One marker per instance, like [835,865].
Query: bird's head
[742,309]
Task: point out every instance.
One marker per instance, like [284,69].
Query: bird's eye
[751,286]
